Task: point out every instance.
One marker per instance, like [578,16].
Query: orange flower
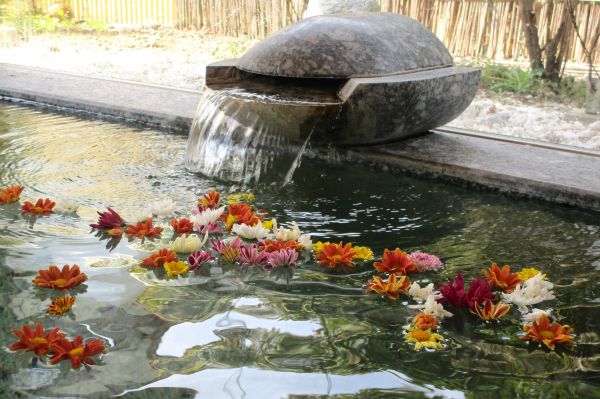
[115,231]
[240,213]
[209,200]
[334,254]
[276,245]
[10,194]
[76,351]
[502,278]
[38,341]
[61,306]
[64,279]
[490,310]
[143,229]
[425,321]
[41,207]
[548,334]
[182,226]
[397,262]
[158,259]
[390,287]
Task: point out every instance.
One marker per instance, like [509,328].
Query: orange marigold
[276,245]
[182,226]
[240,213]
[490,310]
[76,351]
[35,340]
[158,259]
[41,207]
[11,194]
[336,254]
[425,321]
[143,229]
[397,262]
[209,200]
[502,278]
[390,287]
[61,306]
[56,278]
[549,334]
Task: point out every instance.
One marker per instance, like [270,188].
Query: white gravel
[178,58]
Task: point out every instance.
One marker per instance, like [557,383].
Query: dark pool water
[252,335]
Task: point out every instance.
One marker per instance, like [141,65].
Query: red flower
[209,200]
[479,292]
[240,213]
[64,279]
[502,278]
[182,226]
[549,334]
[108,220]
[41,207]
[10,194]
[143,229]
[158,259]
[38,341]
[335,254]
[76,351]
[276,245]
[454,292]
[425,321]
[390,287]
[397,262]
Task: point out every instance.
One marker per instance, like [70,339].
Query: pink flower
[253,256]
[108,220]
[229,250]
[199,258]
[283,257]
[211,228]
[425,262]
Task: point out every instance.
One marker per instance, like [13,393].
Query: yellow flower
[268,224]
[423,338]
[176,268]
[61,306]
[240,197]
[528,272]
[363,253]
[319,245]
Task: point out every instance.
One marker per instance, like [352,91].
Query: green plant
[501,79]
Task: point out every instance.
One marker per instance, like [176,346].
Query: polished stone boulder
[347,46]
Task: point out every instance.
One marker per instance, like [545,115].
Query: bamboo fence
[489,29]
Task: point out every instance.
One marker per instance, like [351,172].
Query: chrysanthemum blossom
[423,338]
[276,245]
[241,214]
[425,262]
[282,258]
[252,256]
[548,334]
[391,287]
[531,292]
[61,306]
[163,208]
[434,308]
[41,207]
[176,268]
[285,234]
[502,278]
[305,241]
[255,232]
[53,277]
[333,255]
[397,262]
[199,258]
[490,310]
[107,220]
[66,206]
[182,226]
[535,315]
[209,200]
[10,194]
[76,351]
[362,253]
[425,321]
[36,340]
[186,244]
[420,294]
[528,272]
[145,229]
[206,217]
[319,245]
[159,258]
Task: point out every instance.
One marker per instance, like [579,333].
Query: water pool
[254,335]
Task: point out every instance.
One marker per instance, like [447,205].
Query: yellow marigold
[61,305]
[423,338]
[176,268]
[363,253]
[239,197]
[268,224]
[528,272]
[319,245]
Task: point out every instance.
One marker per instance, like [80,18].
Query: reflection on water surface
[252,335]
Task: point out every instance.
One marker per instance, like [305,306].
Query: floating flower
[396,262]
[186,244]
[229,250]
[209,200]
[533,290]
[502,278]
[423,338]
[454,292]
[336,254]
[305,242]
[182,226]
[363,253]
[281,233]
[283,257]
[318,246]
[158,259]
[250,232]
[425,262]
[426,321]
[35,340]
[163,208]
[175,268]
[108,220]
[421,294]
[528,272]
[116,231]
[434,308]
[490,310]
[268,224]
[199,258]
[66,206]
[479,292]
[206,217]
[60,306]
[276,245]
[41,207]
[240,197]
[390,287]
[58,279]
[252,256]
[549,334]
[143,229]
[536,315]
[241,214]
[211,228]
[11,194]
[76,351]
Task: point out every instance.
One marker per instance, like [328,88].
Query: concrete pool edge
[517,167]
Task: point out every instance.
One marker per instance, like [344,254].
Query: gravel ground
[178,58]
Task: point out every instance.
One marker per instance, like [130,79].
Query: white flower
[421,294]
[305,241]
[250,232]
[188,243]
[532,291]
[66,206]
[286,234]
[535,315]
[139,215]
[435,309]
[206,217]
[163,208]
